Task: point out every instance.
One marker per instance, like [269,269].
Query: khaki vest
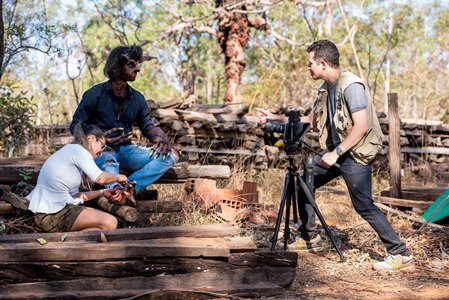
[366,149]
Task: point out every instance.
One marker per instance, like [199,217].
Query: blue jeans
[358,179]
[145,168]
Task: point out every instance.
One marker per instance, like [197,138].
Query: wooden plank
[420,193]
[255,290]
[402,202]
[218,281]
[394,150]
[21,272]
[174,247]
[10,169]
[426,150]
[127,234]
[404,215]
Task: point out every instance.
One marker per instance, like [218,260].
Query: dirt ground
[323,276]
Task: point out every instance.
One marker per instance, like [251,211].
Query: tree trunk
[234,34]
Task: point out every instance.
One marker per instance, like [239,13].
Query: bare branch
[312,3]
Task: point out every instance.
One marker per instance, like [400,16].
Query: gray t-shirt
[355,98]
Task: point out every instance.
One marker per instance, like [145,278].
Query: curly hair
[118,57]
[327,51]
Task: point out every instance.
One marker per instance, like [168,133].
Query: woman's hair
[82,131]
[118,57]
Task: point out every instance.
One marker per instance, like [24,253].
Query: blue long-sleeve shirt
[99,106]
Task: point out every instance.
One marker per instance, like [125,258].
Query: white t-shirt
[60,179]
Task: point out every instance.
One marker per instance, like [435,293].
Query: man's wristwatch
[339,151]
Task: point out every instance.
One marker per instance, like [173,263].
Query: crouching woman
[56,199]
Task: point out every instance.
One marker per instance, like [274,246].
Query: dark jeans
[358,179]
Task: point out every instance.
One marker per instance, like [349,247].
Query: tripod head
[293,131]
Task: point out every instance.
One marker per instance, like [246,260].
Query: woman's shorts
[62,221]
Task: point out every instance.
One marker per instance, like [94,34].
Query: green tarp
[439,209]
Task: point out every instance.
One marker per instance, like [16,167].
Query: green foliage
[16,121]
[275,71]
[26,27]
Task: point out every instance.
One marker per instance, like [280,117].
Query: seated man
[116,107]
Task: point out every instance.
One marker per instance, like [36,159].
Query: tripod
[293,184]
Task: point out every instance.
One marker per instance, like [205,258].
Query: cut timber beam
[174,247]
[402,202]
[254,282]
[10,170]
[22,272]
[123,234]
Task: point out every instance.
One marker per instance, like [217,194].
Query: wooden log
[22,272]
[394,153]
[192,116]
[211,108]
[170,103]
[420,193]
[15,200]
[164,113]
[6,208]
[174,247]
[125,234]
[219,281]
[159,206]
[127,213]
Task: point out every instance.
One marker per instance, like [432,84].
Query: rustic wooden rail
[10,169]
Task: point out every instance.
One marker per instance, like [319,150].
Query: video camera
[293,130]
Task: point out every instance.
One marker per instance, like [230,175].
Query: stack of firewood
[222,134]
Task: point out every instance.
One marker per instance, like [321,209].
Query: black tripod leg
[294,202]
[290,197]
[312,202]
[284,198]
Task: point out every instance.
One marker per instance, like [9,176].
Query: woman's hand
[122,179]
[113,194]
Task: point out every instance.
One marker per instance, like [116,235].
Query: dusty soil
[324,276]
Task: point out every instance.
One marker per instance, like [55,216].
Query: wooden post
[394,153]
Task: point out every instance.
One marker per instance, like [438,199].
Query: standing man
[116,107]
[350,134]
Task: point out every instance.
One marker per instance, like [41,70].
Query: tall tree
[24,27]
